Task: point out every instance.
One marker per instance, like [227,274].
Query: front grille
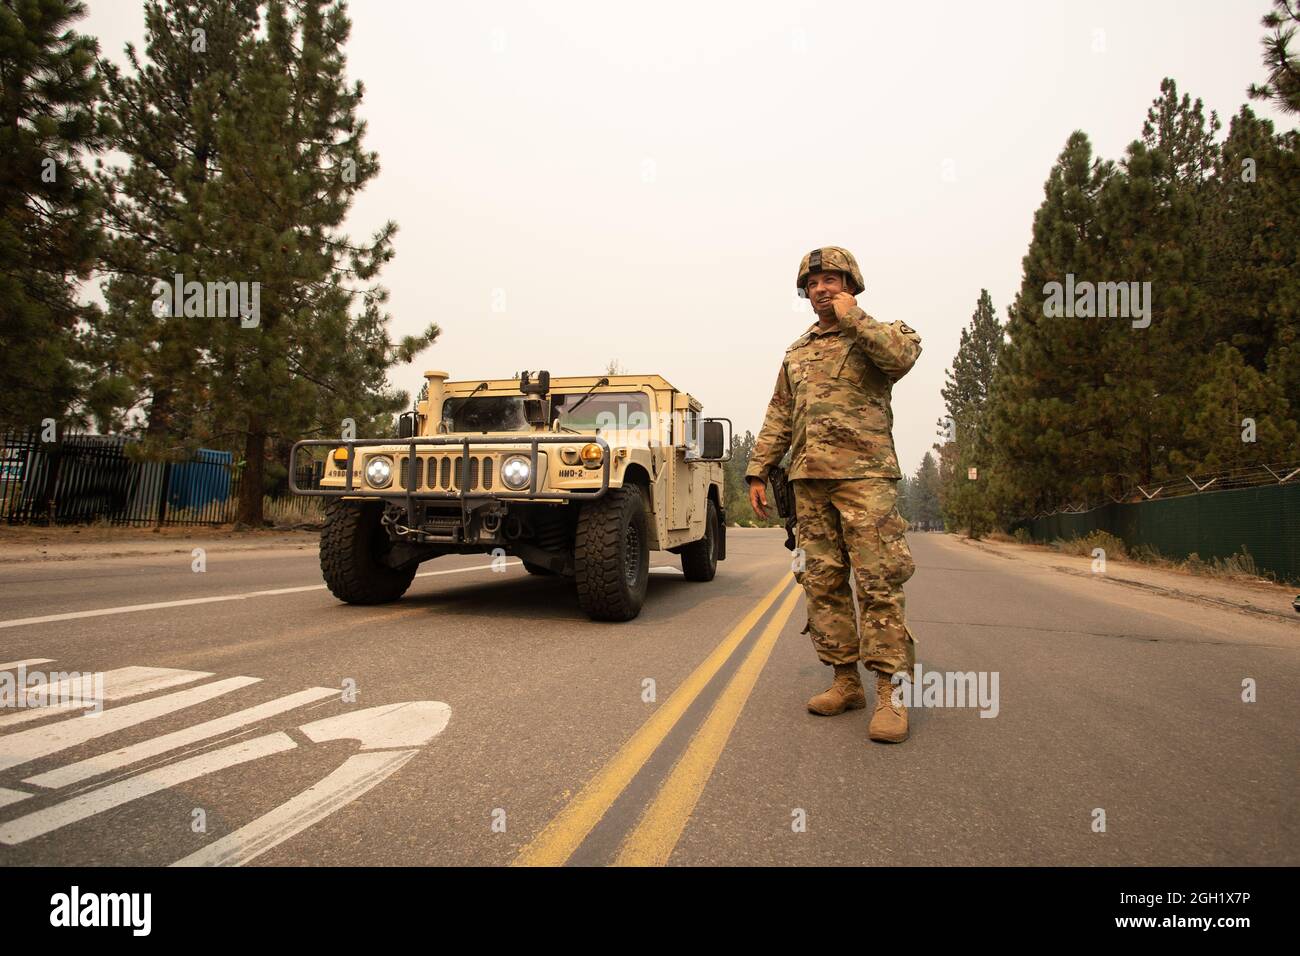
[460,471]
[444,472]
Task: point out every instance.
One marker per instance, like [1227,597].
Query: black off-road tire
[612,555]
[700,558]
[537,569]
[351,544]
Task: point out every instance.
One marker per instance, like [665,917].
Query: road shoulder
[1259,598]
[27,544]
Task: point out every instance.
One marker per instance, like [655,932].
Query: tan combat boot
[889,722]
[845,693]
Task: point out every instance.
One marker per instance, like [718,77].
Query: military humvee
[580,477]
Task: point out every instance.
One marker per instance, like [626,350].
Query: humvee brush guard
[580,477]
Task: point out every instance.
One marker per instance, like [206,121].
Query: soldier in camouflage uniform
[831,410]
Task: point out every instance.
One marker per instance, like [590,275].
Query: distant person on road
[831,410]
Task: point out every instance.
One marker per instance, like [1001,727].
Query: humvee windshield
[505,413]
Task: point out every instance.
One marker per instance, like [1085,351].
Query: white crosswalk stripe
[28,745]
[88,689]
[14,665]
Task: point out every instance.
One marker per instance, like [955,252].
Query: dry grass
[1112,545]
[1238,566]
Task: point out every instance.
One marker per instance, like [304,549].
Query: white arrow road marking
[8,796]
[379,730]
[14,665]
[358,774]
[149,782]
[119,684]
[25,745]
[117,759]
[188,602]
[410,724]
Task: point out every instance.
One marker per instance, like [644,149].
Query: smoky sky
[577,183]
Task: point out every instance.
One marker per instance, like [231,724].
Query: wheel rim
[631,554]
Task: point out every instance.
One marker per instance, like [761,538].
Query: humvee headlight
[592,455]
[379,471]
[515,472]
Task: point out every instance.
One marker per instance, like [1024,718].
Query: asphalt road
[252,719]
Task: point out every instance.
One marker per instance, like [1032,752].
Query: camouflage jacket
[830,407]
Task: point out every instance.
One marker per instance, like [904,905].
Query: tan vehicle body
[600,488]
[677,488]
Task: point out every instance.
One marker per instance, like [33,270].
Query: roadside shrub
[1112,545]
[1147,554]
[1237,563]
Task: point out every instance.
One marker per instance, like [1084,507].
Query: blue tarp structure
[201,481]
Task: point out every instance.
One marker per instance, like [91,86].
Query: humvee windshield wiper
[578,403]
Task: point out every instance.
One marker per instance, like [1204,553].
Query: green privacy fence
[1214,524]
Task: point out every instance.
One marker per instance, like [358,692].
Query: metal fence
[1263,519]
[82,478]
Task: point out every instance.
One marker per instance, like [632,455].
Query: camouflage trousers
[853,524]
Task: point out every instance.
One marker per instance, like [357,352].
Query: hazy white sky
[639,181]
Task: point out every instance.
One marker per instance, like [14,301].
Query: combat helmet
[829,259]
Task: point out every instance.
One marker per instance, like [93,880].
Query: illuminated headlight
[515,472]
[379,471]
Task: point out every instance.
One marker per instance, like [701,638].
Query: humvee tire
[611,557]
[537,569]
[700,558]
[351,545]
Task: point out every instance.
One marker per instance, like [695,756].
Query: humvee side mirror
[714,443]
[406,425]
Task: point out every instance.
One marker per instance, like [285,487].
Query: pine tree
[966,394]
[161,219]
[1153,222]
[1254,262]
[269,161]
[924,493]
[1049,417]
[906,505]
[49,91]
[968,381]
[1283,85]
[1237,417]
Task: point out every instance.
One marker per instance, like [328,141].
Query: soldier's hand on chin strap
[758,497]
[842,303]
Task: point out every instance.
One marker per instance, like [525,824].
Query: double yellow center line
[656,834]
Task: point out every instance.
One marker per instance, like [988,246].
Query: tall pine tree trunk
[250,484]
